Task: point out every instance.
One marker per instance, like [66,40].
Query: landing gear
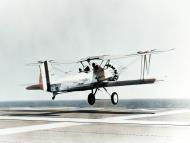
[54,95]
[91,99]
[114,98]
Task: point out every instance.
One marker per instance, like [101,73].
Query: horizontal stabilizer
[35,87]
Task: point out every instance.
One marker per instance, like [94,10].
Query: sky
[73,29]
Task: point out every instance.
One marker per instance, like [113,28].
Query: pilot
[98,71]
[95,67]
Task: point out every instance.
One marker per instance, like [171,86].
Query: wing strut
[145,65]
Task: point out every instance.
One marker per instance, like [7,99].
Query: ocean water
[129,103]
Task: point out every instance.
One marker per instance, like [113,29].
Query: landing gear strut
[92,99]
[54,95]
[114,97]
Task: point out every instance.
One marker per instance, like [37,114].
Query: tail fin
[46,77]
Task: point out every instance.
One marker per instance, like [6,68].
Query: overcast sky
[32,30]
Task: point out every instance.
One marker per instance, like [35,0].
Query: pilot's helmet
[93,65]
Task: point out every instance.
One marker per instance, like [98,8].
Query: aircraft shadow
[65,112]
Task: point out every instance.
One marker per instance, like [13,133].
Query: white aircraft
[92,76]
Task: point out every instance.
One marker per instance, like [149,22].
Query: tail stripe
[47,76]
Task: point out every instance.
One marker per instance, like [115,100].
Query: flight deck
[94,124]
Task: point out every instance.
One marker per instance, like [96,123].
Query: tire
[114,98]
[91,99]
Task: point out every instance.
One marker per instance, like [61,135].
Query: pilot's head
[93,65]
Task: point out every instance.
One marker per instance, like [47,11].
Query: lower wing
[111,84]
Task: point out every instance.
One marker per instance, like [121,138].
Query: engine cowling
[115,72]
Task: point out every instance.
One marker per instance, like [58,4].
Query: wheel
[91,99]
[114,98]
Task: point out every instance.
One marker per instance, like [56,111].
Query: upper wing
[114,57]
[111,84]
[108,57]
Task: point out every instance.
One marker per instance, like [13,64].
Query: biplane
[96,72]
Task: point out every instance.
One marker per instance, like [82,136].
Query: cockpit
[85,70]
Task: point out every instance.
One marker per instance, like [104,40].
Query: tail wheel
[91,99]
[114,98]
